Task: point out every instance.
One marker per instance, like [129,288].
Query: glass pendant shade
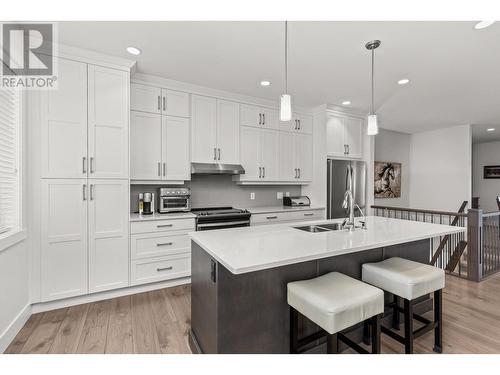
[285,107]
[372,128]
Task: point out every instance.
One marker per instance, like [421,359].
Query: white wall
[486,189]
[441,163]
[395,147]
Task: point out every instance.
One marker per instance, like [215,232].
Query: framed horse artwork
[387,179]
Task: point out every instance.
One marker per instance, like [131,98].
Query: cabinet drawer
[161,226]
[158,269]
[270,218]
[150,245]
[308,215]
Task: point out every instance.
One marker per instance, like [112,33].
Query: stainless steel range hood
[216,168]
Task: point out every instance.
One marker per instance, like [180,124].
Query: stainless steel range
[220,218]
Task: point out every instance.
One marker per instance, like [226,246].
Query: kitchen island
[239,276]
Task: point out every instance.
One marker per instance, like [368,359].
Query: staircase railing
[448,252]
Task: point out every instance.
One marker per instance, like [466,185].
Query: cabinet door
[287,169]
[64,123]
[250,153]
[175,103]
[175,150]
[269,149]
[335,145]
[64,238]
[270,119]
[108,122]
[304,156]
[251,115]
[287,126]
[353,135]
[145,146]
[145,98]
[228,132]
[304,123]
[204,129]
[108,234]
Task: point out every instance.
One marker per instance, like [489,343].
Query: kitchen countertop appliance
[148,205]
[221,218]
[296,201]
[174,200]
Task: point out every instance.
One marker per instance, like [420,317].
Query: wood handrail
[432,212]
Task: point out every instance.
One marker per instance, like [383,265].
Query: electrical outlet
[252,196]
[279,195]
[287,194]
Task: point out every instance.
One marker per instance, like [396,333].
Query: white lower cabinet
[160,250]
[84,235]
[108,235]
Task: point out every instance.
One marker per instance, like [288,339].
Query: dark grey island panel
[248,313]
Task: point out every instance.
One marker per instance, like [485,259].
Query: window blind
[9,160]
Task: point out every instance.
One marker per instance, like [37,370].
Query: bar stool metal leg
[408,326]
[294,327]
[366,332]
[395,313]
[375,331]
[332,344]
[438,319]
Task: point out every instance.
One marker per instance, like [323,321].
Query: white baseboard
[14,327]
[67,302]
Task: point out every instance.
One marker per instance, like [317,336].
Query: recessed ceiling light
[346,102]
[403,81]
[483,24]
[490,129]
[134,51]
[265,83]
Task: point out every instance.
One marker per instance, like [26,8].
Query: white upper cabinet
[269,155]
[146,146]
[215,130]
[295,159]
[108,122]
[175,148]
[298,124]
[108,234]
[63,238]
[153,99]
[261,117]
[204,129]
[304,156]
[287,164]
[145,98]
[259,154]
[63,114]
[228,132]
[344,136]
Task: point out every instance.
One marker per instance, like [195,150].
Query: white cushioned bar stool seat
[403,277]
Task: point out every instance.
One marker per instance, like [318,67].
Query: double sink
[320,227]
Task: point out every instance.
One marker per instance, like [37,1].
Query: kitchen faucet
[349,204]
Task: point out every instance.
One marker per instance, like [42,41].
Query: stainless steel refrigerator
[338,181]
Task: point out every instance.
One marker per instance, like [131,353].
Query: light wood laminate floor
[158,322]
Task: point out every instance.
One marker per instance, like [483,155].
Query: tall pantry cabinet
[84,135]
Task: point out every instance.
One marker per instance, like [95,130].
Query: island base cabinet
[249,313]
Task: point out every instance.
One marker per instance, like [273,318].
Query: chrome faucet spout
[349,205]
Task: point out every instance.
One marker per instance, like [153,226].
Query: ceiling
[480,133]
[454,69]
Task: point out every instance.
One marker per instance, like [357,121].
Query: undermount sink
[320,228]
[332,226]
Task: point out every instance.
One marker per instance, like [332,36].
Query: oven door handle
[223,224]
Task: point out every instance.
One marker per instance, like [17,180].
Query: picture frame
[491,171]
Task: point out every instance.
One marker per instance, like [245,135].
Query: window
[10,184]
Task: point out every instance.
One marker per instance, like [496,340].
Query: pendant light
[372,128]
[286,99]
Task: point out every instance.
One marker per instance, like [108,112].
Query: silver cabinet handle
[159,108]
[164,104]
[260,118]
[164,168]
[300,125]
[260,172]
[164,269]
[271,217]
[299,173]
[84,166]
[296,172]
[215,153]
[347,149]
[91,164]
[84,192]
[263,119]
[159,168]
[165,244]
[310,214]
[164,225]
[263,172]
[92,192]
[219,152]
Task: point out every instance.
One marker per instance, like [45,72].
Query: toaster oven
[174,200]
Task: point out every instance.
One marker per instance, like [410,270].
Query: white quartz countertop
[273,209]
[158,216]
[256,248]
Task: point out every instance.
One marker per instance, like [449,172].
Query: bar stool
[409,280]
[334,302]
